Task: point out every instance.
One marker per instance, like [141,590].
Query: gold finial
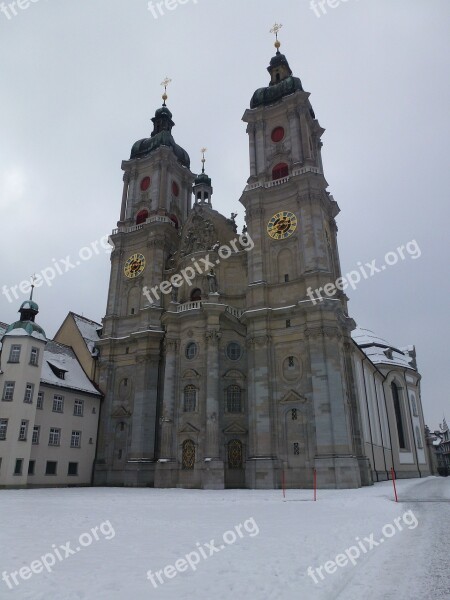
[203,150]
[275,29]
[165,83]
[33,279]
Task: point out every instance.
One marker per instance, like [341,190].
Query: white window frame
[3,428]
[77,405]
[54,438]
[23,430]
[34,357]
[75,439]
[58,399]
[29,393]
[15,349]
[36,435]
[8,390]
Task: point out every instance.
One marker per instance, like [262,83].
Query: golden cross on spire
[203,150]
[275,29]
[165,83]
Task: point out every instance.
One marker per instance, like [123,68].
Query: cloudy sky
[81,80]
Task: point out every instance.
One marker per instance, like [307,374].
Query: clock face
[134,266]
[282,225]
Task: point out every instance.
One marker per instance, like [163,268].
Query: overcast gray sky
[80,83]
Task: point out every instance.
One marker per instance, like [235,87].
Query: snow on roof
[380,351]
[88,330]
[63,359]
[31,330]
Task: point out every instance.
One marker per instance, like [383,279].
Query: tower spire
[165,83]
[203,150]
[33,277]
[275,29]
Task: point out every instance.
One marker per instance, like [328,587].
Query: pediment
[235,428]
[293,396]
[234,374]
[120,411]
[188,428]
[191,374]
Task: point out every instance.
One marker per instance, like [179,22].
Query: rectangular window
[58,404]
[288,322]
[8,391]
[36,434]
[40,400]
[73,469]
[54,437]
[14,355]
[291,362]
[31,466]
[286,278]
[78,408]
[18,466]
[75,440]
[3,428]
[23,431]
[34,357]
[29,391]
[296,449]
[50,468]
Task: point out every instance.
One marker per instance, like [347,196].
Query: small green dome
[29,305]
[274,93]
[26,328]
[202,178]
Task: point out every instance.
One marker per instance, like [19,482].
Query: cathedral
[216,365]
[218,368]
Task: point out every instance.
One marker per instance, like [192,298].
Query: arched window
[235,455]
[398,415]
[234,399]
[196,295]
[141,217]
[279,171]
[190,398]
[188,455]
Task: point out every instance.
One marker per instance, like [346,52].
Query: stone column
[126,182]
[251,138]
[294,126]
[260,148]
[212,395]
[166,473]
[260,468]
[213,476]
[168,411]
[305,137]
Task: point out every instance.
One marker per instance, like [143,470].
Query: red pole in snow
[393,481]
[283,483]
[315,484]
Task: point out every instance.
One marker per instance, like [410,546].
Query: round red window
[175,188]
[277,134]
[145,184]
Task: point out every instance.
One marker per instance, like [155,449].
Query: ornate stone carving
[213,336]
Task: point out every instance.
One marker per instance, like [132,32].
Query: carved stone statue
[212,282]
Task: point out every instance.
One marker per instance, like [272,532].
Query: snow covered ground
[266,558]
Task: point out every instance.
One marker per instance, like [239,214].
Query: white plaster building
[49,409]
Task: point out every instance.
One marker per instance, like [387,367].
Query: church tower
[302,402]
[156,201]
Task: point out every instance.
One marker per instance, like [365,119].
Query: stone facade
[218,368]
